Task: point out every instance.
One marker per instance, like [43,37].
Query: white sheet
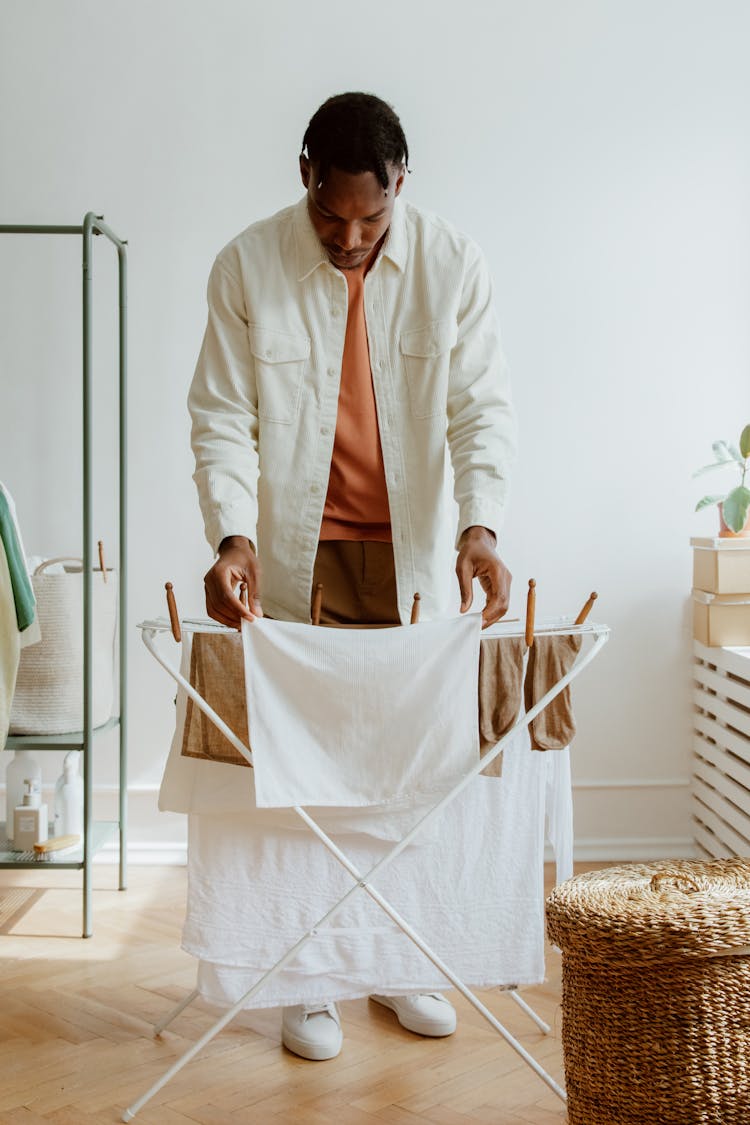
[361,717]
[475,894]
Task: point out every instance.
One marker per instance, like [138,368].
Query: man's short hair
[356,132]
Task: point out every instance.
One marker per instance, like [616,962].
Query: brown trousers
[359,583]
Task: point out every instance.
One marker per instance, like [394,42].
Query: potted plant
[734,506]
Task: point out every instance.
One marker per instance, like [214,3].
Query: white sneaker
[428,1013]
[312,1032]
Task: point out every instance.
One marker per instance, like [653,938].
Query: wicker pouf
[656,993]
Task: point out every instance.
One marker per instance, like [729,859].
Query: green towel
[23,595]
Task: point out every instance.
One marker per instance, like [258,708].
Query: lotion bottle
[69,798]
[24,765]
[31,818]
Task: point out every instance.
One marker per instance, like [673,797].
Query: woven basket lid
[653,911]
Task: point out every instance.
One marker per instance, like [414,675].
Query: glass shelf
[101,832]
[72,741]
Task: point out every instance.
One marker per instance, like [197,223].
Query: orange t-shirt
[356,505]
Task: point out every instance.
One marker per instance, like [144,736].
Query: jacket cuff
[235,519]
[480,513]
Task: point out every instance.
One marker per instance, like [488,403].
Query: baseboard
[636,848]
[161,853]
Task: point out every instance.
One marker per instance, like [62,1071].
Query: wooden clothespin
[173,615]
[530,612]
[317,603]
[586,609]
[245,599]
[415,610]
[101,560]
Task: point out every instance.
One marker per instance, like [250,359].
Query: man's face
[350,211]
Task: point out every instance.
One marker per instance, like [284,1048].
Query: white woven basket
[49,687]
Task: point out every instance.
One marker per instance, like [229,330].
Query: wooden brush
[56,844]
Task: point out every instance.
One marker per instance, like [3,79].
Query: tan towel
[217,672]
[500,677]
[550,658]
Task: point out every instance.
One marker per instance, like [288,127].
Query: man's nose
[349,237]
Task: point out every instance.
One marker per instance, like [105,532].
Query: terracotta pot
[727,533]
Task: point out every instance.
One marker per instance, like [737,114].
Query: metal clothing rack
[94,835]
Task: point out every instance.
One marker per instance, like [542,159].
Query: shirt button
[332,371]
[380,365]
[325,430]
[315,488]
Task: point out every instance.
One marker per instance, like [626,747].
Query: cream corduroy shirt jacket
[264,399]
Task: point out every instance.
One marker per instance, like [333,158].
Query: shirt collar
[310,252]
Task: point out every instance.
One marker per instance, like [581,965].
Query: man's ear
[399,180]
[304,170]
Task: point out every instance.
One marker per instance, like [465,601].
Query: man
[351,360]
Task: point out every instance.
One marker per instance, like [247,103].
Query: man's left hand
[477,558]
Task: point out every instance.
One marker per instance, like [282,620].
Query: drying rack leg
[183,1004]
[537,1019]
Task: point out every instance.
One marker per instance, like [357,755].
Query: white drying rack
[152,631]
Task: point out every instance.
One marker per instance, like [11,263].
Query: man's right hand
[237,562]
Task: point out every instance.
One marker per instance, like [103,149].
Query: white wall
[599,152]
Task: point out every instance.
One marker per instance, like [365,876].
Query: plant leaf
[713,465]
[735,508]
[745,442]
[721,452]
[707,501]
[736,454]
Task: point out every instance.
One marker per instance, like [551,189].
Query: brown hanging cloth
[550,658]
[500,677]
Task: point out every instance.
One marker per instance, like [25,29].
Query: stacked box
[721,591]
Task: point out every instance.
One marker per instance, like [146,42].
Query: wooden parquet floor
[76,1046]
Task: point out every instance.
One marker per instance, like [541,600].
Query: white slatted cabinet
[721,742]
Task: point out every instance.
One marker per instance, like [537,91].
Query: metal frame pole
[98,226]
[88,624]
[122,263]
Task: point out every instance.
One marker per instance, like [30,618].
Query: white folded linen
[475,894]
[361,717]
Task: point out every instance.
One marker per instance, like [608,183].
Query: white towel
[361,717]
[475,895]
[193,785]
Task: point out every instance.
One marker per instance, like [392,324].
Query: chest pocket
[426,353]
[280,364]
